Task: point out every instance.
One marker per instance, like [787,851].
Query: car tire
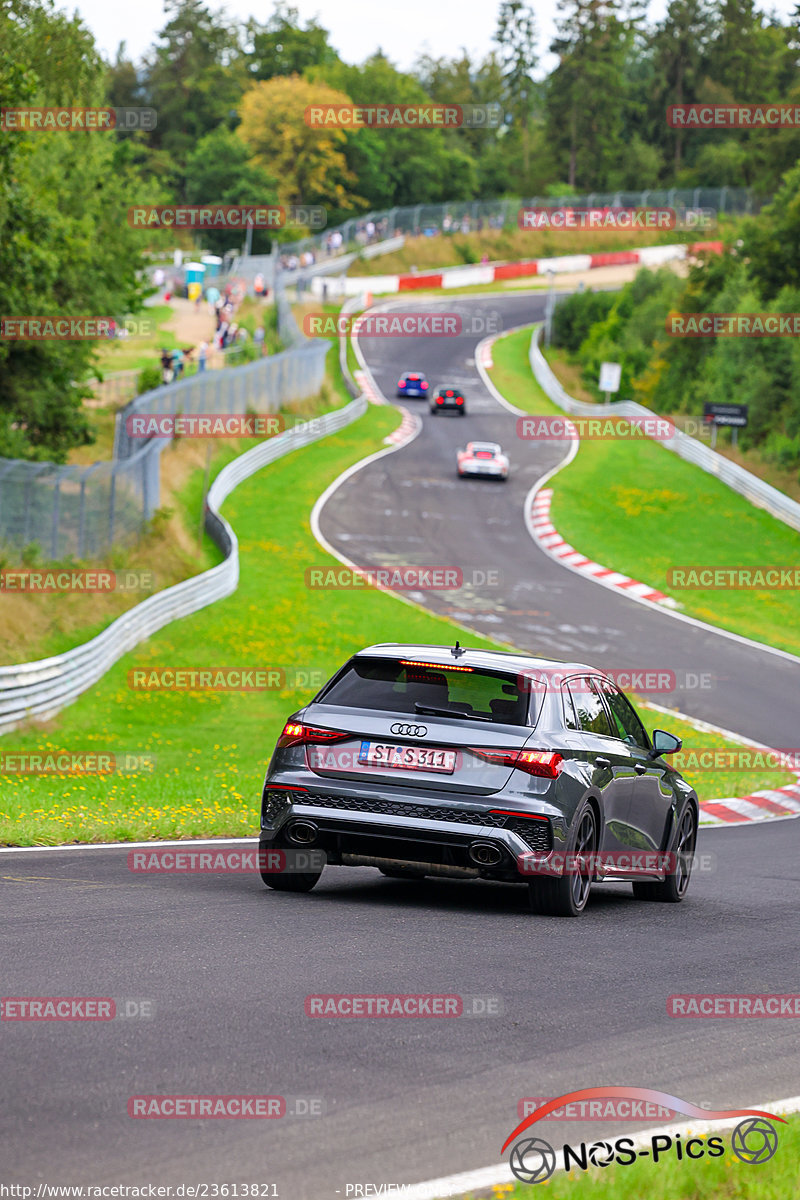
[567,895]
[673,889]
[302,881]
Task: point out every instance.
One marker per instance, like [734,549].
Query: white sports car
[483,458]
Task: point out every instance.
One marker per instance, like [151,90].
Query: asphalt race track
[227,964]
[410,507]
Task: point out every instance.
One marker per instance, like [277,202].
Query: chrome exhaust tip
[485,854]
[302,833]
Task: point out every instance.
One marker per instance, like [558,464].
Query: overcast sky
[402,30]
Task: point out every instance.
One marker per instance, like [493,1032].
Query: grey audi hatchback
[475,764]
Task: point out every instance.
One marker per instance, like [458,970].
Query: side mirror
[664,743]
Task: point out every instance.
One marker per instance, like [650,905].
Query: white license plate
[407,758]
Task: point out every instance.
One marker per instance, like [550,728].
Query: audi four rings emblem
[408,730]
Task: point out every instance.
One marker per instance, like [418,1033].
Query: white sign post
[610,375]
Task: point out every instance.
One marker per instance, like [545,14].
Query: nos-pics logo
[533,1160]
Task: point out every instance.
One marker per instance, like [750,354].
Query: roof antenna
[457,651]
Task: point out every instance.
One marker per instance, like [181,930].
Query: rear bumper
[496,473]
[352,836]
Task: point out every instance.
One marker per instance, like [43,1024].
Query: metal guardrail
[40,689]
[761,494]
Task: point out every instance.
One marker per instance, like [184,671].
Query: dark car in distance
[473,764]
[448,399]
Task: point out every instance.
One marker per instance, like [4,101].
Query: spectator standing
[166,365]
[258,338]
[202,354]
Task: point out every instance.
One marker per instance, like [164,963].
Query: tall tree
[516,36]
[194,77]
[65,246]
[308,162]
[679,46]
[283,46]
[587,93]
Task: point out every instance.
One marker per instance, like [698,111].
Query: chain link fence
[80,512]
[471,216]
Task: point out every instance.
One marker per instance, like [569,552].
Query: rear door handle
[639,768]
[602,762]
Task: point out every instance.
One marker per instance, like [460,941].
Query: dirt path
[191,323]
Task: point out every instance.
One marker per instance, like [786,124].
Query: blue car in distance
[412,383]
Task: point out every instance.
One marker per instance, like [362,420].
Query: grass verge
[511,244]
[37,625]
[637,508]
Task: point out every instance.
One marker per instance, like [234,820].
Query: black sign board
[733,415]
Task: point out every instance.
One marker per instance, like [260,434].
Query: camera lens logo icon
[754,1141]
[532,1160]
[601,1154]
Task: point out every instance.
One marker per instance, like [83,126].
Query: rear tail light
[460,400]
[401,383]
[423,385]
[439,400]
[544,763]
[295,734]
[412,662]
[484,454]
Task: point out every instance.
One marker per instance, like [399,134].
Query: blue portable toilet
[212,264]
[194,272]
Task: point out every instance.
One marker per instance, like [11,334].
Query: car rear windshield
[390,685]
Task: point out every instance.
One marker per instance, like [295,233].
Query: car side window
[570,720]
[630,727]
[589,707]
